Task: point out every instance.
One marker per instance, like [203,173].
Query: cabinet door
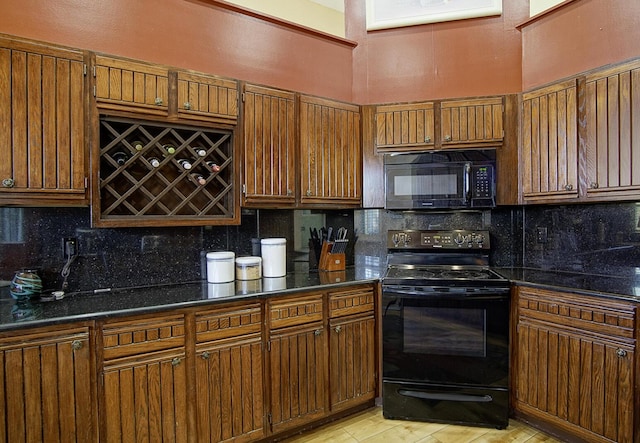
[330,152]
[613,144]
[575,364]
[269,147]
[207,98]
[298,375]
[405,127]
[42,129]
[550,143]
[45,387]
[229,374]
[352,361]
[145,398]
[477,121]
[128,85]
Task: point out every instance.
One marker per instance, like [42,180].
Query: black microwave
[453,179]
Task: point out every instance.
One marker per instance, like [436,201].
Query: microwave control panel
[482,181]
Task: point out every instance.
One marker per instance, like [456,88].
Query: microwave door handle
[467,183]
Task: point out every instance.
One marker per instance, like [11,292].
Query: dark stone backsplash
[595,239]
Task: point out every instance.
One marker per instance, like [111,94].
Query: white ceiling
[338,5]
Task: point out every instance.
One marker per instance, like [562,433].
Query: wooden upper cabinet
[42,124]
[207,98]
[129,85]
[405,126]
[269,118]
[479,122]
[550,143]
[612,139]
[330,152]
[46,389]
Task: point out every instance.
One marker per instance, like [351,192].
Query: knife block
[329,261]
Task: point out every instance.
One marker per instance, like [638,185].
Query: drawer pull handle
[317,332]
[76,344]
[175,361]
[205,355]
[8,183]
[338,329]
[621,353]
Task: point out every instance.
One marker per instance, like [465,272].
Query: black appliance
[443,179]
[445,330]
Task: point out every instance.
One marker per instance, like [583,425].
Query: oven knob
[395,238]
[460,239]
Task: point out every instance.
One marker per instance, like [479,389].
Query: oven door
[446,339]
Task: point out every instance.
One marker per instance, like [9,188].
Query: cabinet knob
[447,138]
[621,353]
[427,139]
[205,355]
[568,187]
[159,101]
[317,332]
[308,192]
[289,192]
[8,183]
[594,185]
[338,329]
[175,361]
[76,344]
[187,106]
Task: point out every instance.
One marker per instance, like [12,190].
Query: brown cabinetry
[298,360]
[612,140]
[330,152]
[128,85]
[144,380]
[43,124]
[269,147]
[229,374]
[575,358]
[46,386]
[478,122]
[550,143]
[207,98]
[405,126]
[352,344]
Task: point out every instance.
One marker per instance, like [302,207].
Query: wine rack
[159,174]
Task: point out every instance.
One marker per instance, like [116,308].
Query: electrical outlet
[69,247]
[541,234]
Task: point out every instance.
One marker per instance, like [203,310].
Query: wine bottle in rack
[120,158]
[212,166]
[169,149]
[201,152]
[154,162]
[184,163]
[137,145]
[198,179]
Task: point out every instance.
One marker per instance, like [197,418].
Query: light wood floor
[371,427]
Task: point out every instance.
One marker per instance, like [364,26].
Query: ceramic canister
[274,257]
[220,267]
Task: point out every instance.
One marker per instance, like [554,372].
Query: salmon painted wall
[441,60]
[189,34]
[576,37]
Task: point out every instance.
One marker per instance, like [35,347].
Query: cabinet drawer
[136,336]
[205,97]
[589,314]
[353,301]
[297,311]
[228,322]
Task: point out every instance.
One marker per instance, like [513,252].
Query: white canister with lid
[220,267]
[274,257]
[248,268]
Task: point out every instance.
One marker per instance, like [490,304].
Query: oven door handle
[446,397]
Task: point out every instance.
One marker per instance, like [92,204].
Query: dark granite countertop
[111,303]
[624,287]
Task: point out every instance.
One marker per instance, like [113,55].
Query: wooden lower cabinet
[229,374]
[46,385]
[574,364]
[298,359]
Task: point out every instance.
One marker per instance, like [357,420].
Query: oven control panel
[454,239]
